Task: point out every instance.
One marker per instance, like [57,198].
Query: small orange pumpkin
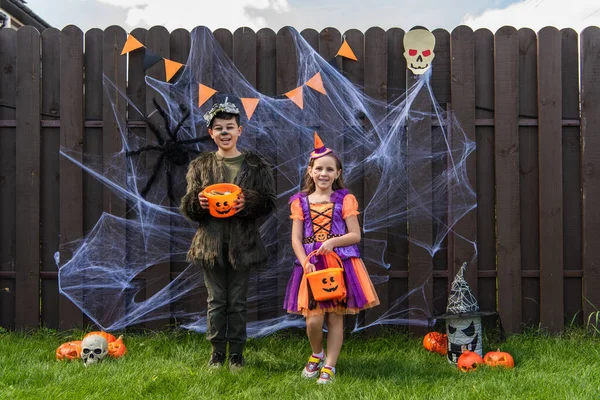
[69,351]
[109,338]
[117,348]
[499,359]
[468,361]
[436,342]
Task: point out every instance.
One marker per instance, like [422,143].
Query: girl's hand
[239,203]
[326,248]
[203,200]
[309,268]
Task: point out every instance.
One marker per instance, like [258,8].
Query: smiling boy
[227,248]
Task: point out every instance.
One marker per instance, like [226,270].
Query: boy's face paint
[225,133]
[324,172]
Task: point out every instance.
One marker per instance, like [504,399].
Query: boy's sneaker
[236,361]
[326,376]
[312,367]
[217,359]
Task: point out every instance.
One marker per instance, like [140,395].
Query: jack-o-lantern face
[499,359]
[468,361]
[321,237]
[329,284]
[223,208]
[463,334]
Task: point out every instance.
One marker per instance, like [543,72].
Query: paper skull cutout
[93,349]
[463,334]
[418,50]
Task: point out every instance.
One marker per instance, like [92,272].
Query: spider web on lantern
[369,135]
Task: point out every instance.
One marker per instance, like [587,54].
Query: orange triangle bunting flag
[316,83]
[204,93]
[249,106]
[346,51]
[296,96]
[131,44]
[171,68]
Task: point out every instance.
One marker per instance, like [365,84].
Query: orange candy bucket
[328,283]
[221,199]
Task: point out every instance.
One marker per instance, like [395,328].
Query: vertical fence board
[462,46]
[590,126]
[49,174]
[420,273]
[397,245]
[440,86]
[114,69]
[28,178]
[92,137]
[486,208]
[286,80]
[550,180]
[266,83]
[180,43]
[8,62]
[571,178]
[506,120]
[529,176]
[375,87]
[225,40]
[71,138]
[157,275]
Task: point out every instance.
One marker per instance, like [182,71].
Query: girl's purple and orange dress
[321,222]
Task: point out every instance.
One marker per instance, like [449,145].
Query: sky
[318,14]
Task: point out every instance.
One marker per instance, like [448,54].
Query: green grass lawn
[393,365]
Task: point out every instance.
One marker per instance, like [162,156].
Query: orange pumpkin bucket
[328,283]
[221,199]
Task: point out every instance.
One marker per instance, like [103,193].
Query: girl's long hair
[309,187]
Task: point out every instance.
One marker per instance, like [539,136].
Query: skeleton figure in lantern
[418,49]
[94,348]
[463,319]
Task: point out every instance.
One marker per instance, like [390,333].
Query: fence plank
[529,177]
[486,207]
[28,178]
[507,177]
[49,172]
[420,228]
[8,61]
[397,244]
[92,137]
[225,39]
[376,74]
[440,86]
[114,69]
[571,177]
[266,83]
[590,126]
[550,181]
[463,107]
[157,275]
[71,138]
[286,80]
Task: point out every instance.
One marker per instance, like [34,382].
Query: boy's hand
[309,268]
[326,248]
[239,203]
[203,200]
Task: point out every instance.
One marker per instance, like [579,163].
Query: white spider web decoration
[461,299]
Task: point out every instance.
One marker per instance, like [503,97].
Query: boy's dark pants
[227,309]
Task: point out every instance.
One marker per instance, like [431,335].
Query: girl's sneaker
[326,377]
[312,367]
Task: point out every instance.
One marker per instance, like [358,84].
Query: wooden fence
[530,102]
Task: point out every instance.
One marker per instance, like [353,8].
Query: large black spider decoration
[174,152]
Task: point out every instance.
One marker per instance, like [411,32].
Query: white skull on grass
[93,349]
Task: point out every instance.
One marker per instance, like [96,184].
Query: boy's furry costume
[246,248]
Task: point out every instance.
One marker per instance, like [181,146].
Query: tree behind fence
[530,102]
